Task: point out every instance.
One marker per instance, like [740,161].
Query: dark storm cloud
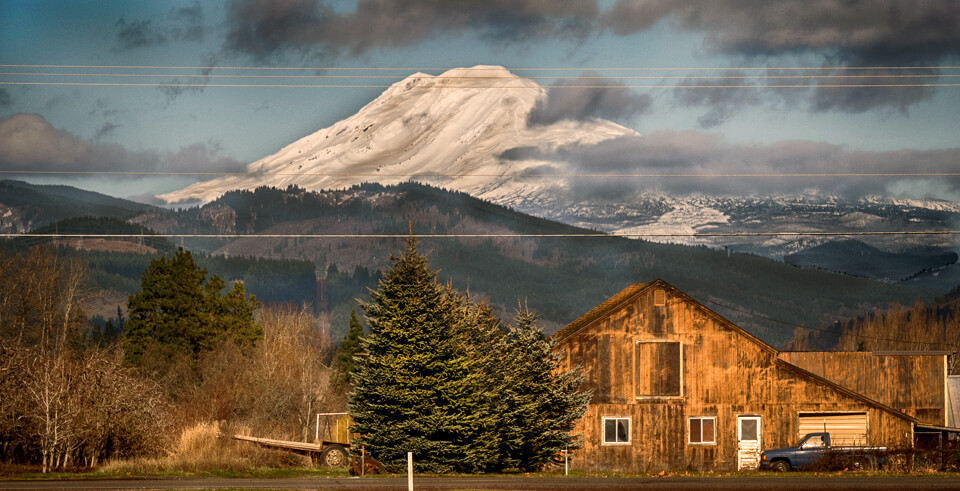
[722,96]
[180,24]
[137,34]
[588,97]
[834,33]
[106,130]
[29,143]
[266,29]
[187,23]
[901,33]
[701,162]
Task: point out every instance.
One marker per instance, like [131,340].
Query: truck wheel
[780,466]
[334,456]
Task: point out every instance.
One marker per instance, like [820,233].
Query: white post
[566,461]
[317,437]
[409,471]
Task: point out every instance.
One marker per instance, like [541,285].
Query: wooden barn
[677,386]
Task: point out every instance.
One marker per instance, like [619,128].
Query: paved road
[778,483]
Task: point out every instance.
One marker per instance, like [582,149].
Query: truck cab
[811,450]
[807,453]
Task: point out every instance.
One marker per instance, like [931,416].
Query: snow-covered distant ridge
[425,128]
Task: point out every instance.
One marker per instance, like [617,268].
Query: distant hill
[25,207]
[561,277]
[856,258]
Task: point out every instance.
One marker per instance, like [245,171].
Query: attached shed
[914,382]
[677,386]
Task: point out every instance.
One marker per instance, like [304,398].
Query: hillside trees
[436,369]
[180,312]
[63,402]
[349,348]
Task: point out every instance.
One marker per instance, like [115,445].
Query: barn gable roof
[629,293]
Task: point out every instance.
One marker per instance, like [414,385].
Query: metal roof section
[953,400]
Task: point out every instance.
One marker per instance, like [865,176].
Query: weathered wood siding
[725,373]
[914,383]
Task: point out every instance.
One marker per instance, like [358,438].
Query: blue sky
[215,129]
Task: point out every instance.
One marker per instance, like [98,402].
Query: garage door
[844,428]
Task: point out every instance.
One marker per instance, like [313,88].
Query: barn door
[748,442]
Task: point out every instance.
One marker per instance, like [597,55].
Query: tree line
[438,373]
[441,376]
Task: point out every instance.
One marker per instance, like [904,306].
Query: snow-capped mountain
[461,130]
[425,128]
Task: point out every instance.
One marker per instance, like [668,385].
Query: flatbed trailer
[331,454]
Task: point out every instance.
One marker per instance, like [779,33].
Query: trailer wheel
[780,466]
[862,464]
[334,456]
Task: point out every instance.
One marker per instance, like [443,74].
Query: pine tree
[179,311]
[483,339]
[544,403]
[413,386]
[348,349]
[441,377]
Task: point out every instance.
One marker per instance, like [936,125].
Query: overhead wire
[446,87]
[503,175]
[828,331]
[586,74]
[481,236]
[485,68]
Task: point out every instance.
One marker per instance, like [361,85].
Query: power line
[504,175]
[444,87]
[828,331]
[401,77]
[478,236]
[478,69]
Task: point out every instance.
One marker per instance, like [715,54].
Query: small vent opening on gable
[659,298]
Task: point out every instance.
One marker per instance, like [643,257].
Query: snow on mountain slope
[423,128]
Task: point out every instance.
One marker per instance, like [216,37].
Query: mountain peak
[447,130]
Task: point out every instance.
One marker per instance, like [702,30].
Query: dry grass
[206,447]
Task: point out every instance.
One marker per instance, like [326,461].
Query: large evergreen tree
[543,404]
[180,311]
[441,377]
[411,388]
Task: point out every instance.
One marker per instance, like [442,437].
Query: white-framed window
[616,430]
[702,430]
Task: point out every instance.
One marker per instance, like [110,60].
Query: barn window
[659,369]
[703,430]
[616,430]
[659,298]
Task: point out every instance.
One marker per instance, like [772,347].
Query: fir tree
[413,386]
[348,349]
[542,403]
[441,377]
[179,311]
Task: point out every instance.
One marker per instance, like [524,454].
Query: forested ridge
[562,277]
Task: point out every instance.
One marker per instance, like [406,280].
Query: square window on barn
[659,369]
[616,430]
[703,430]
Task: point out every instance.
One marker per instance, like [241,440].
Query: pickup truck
[815,451]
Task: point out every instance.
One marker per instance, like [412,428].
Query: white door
[748,442]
